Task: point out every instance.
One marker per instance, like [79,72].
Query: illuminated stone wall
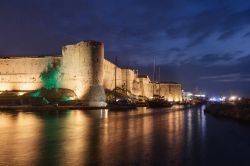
[171,91]
[83,65]
[85,71]
[22,73]
[139,86]
[146,86]
[109,76]
[126,79]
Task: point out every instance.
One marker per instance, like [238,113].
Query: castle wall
[146,87]
[83,66]
[125,78]
[171,91]
[85,71]
[109,76]
[22,73]
[128,77]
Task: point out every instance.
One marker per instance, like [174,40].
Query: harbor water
[167,136]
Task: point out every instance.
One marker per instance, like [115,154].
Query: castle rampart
[85,71]
[22,73]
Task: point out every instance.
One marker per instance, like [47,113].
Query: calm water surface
[173,136]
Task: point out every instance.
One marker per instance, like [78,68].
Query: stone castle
[86,72]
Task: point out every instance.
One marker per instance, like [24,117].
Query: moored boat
[158,103]
[121,104]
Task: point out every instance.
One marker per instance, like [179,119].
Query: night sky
[203,44]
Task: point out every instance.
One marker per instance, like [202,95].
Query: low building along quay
[85,71]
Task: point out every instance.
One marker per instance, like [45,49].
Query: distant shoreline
[239,111]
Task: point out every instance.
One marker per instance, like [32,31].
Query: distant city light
[223,98]
[232,98]
[200,95]
[217,99]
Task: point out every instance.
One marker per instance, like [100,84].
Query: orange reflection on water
[98,137]
[75,138]
[19,138]
[127,138]
[175,128]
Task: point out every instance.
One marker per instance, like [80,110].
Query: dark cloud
[246,34]
[223,21]
[244,59]
[233,77]
[210,58]
[175,49]
[227,34]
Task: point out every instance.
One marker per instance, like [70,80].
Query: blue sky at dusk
[202,44]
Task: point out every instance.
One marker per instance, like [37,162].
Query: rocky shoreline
[236,111]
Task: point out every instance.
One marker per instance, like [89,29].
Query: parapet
[86,43]
[90,43]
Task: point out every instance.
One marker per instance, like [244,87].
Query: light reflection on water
[100,137]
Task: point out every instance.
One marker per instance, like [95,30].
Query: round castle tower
[83,71]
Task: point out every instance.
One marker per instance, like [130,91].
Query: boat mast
[154,77]
[115,74]
[159,79]
[126,81]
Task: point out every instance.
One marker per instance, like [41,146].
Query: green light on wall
[50,77]
[36,94]
[67,98]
